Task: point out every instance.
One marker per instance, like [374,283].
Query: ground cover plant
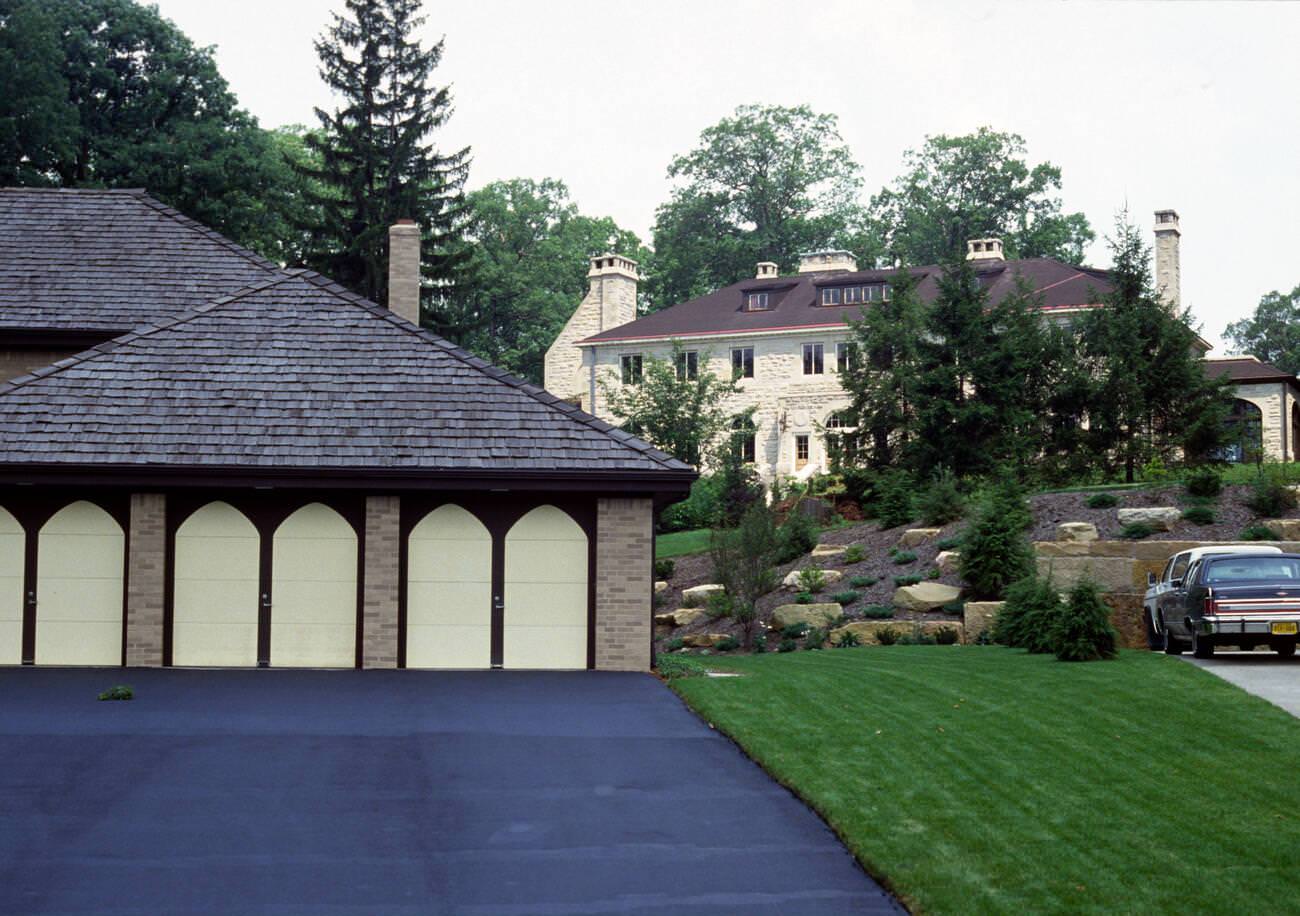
[1049,786]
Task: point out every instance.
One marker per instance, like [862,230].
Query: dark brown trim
[54,338]
[593,538]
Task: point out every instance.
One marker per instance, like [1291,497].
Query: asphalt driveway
[1261,673]
[394,792]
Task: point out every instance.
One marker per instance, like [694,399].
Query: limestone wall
[1274,402]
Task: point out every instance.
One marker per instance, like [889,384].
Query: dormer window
[831,295]
[756,302]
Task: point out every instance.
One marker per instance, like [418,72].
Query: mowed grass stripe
[981,779]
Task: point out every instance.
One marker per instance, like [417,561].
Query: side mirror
[1175,583]
[1151,579]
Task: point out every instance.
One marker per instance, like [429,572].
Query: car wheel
[1154,642]
[1171,645]
[1202,645]
[1285,649]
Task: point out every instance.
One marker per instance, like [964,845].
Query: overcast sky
[1194,106]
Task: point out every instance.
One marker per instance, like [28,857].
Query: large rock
[925,596]
[1076,531]
[792,578]
[978,616]
[703,640]
[1159,518]
[1289,528]
[1112,574]
[699,595]
[815,615]
[661,587]
[866,630]
[682,617]
[827,550]
[948,561]
[819,510]
[913,536]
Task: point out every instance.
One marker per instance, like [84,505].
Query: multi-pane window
[743,438]
[756,302]
[800,450]
[813,359]
[742,362]
[844,356]
[831,295]
[630,363]
[688,365]
[853,295]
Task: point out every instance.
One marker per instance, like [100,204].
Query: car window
[1180,565]
[1164,576]
[1237,569]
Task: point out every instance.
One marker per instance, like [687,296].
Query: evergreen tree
[375,163]
[1083,631]
[994,549]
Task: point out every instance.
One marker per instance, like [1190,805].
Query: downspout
[591,378]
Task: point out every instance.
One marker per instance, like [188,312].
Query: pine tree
[1083,631]
[376,166]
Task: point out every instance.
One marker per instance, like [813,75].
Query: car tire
[1171,645]
[1154,642]
[1202,645]
[1284,649]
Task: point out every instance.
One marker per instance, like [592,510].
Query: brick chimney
[831,261]
[985,250]
[609,303]
[1168,274]
[404,270]
[767,270]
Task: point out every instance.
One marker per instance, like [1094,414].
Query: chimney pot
[984,250]
[404,270]
[831,261]
[767,270]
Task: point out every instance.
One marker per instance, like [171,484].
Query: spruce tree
[376,165]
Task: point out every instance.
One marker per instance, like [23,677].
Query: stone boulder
[925,596]
[792,578]
[703,640]
[682,617]
[1076,532]
[827,550]
[699,595]
[1112,574]
[1289,528]
[913,536]
[866,630]
[978,616]
[661,587]
[1159,518]
[948,561]
[819,510]
[815,615]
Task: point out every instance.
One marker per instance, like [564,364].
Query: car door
[1172,598]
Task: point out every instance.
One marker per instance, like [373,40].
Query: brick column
[146,580]
[624,554]
[379,611]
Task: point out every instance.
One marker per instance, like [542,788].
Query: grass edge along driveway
[984,780]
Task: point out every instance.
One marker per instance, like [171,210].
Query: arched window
[841,438]
[1245,425]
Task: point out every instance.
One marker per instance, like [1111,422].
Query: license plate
[1284,629]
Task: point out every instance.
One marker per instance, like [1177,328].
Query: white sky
[1194,106]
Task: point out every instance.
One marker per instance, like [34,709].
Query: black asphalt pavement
[369,792]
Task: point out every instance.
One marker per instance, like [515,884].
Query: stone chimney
[833,261]
[404,270]
[985,250]
[1168,274]
[609,303]
[767,270]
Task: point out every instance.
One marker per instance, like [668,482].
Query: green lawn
[984,780]
[680,543]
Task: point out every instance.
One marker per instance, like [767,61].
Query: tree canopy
[978,185]
[1272,333]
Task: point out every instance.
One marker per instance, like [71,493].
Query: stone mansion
[786,340]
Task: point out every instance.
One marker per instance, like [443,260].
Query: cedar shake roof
[96,260]
[1246,369]
[794,302]
[296,372]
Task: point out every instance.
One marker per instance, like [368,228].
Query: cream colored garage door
[79,588]
[214,613]
[12,550]
[449,591]
[546,592]
[314,590]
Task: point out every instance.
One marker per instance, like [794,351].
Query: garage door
[214,612]
[449,591]
[80,557]
[546,592]
[12,551]
[314,590]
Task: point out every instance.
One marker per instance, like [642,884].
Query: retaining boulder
[925,596]
[1160,518]
[815,615]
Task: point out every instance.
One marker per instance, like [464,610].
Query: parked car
[1172,575]
[1241,599]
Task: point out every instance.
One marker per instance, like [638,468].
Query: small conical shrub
[994,550]
[894,500]
[1083,631]
[1030,615]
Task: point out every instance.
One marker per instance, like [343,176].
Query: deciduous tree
[1272,333]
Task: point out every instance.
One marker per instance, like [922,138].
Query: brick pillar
[383,541]
[624,554]
[146,580]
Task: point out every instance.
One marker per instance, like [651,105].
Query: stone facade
[624,573]
[379,595]
[1278,407]
[609,303]
[146,563]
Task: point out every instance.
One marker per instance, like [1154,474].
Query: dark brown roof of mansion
[1247,369]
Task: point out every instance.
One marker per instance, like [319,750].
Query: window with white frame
[742,362]
[813,359]
[756,302]
[630,366]
[831,295]
[688,365]
[800,450]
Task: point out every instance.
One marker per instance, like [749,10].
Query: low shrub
[701,509]
[1199,515]
[815,639]
[846,597]
[1204,482]
[894,499]
[796,537]
[1102,501]
[933,573]
[863,581]
[659,599]
[941,502]
[759,645]
[886,636]
[794,631]
[947,636]
[901,581]
[811,579]
[1083,631]
[878,612]
[720,605]
[847,640]
[671,667]
[1028,618]
[948,543]
[918,637]
[675,644]
[1270,494]
[957,606]
[904,556]
[1259,533]
[1136,531]
[787,645]
[805,598]
[119,692]
[664,569]
[730,644]
[854,554]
